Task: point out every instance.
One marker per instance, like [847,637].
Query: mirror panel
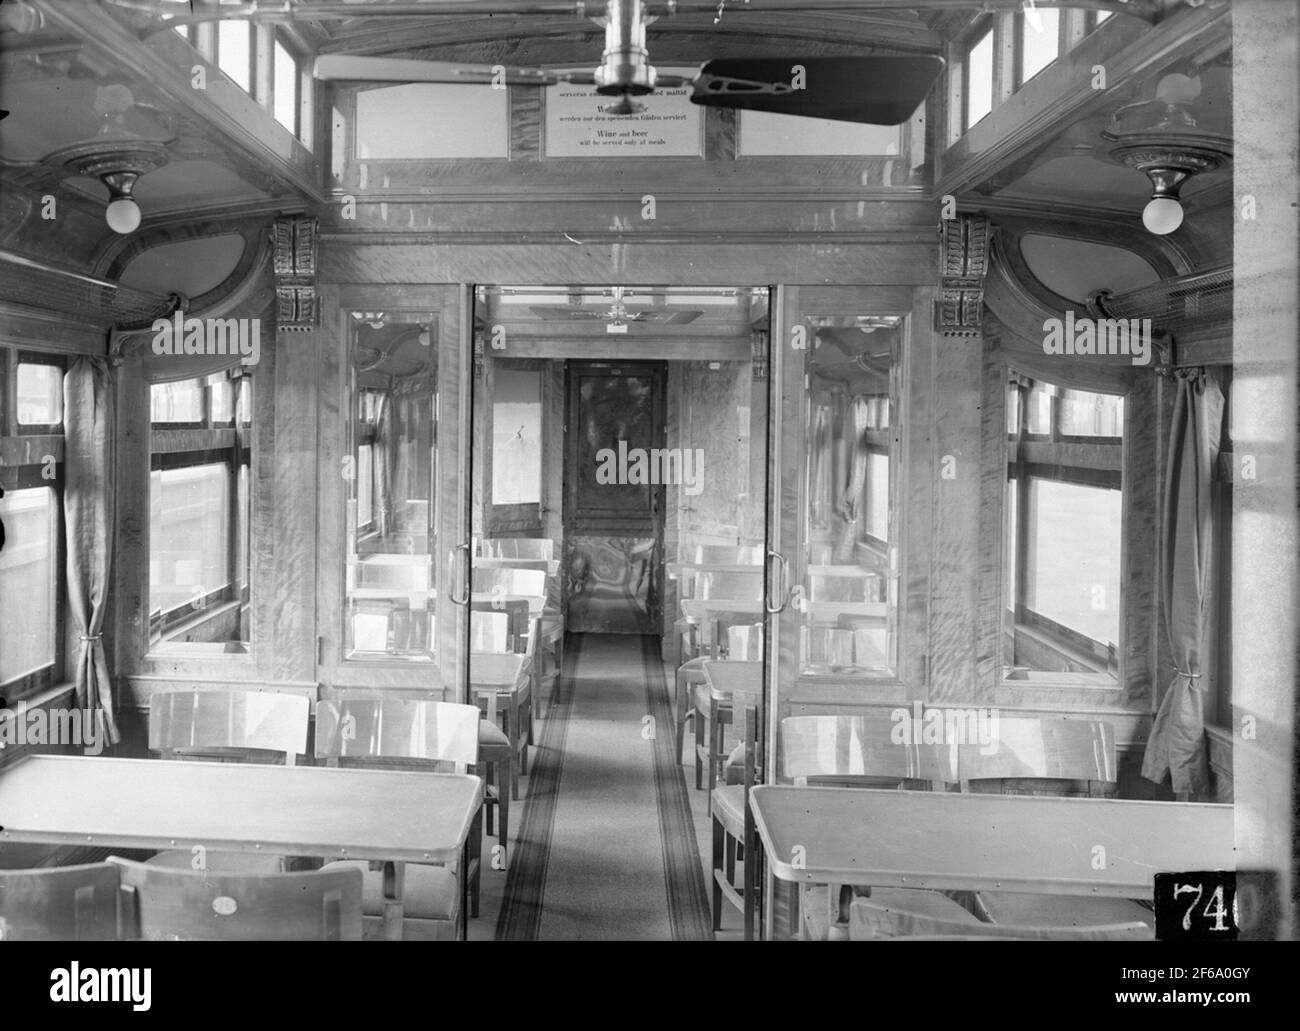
[391,506]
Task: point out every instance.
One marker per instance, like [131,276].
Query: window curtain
[1177,743]
[384,460]
[858,418]
[89,513]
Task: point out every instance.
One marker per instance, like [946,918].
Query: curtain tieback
[1184,673]
[92,637]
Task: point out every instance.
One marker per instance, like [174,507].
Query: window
[200,511]
[39,395]
[32,588]
[979,79]
[189,537]
[176,404]
[29,582]
[286,86]
[877,506]
[517,438]
[1064,530]
[1039,42]
[235,52]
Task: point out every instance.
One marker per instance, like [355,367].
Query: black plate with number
[1216,905]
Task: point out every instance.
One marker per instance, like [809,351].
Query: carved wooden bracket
[297,306]
[963,264]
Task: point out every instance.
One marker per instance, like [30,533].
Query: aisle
[607,847]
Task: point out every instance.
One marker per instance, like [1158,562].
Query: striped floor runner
[607,846]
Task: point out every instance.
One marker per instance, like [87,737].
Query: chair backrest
[721,554]
[229,723]
[861,750]
[713,584]
[67,903]
[377,728]
[499,626]
[519,547]
[161,903]
[869,921]
[1048,755]
[492,581]
[852,584]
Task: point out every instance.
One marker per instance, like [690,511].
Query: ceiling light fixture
[1168,151]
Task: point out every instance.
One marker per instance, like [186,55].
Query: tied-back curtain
[383,464]
[1177,742]
[858,418]
[821,453]
[89,513]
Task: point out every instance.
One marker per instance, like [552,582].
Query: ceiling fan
[618,315]
[877,90]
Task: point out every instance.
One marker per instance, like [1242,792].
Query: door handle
[784,592]
[460,574]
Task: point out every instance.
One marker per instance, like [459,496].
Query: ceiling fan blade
[346,68]
[880,90]
[667,317]
[563,314]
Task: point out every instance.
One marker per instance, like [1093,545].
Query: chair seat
[430,892]
[729,808]
[491,736]
[702,698]
[252,864]
[1029,908]
[907,907]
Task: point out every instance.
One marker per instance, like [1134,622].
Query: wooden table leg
[394,883]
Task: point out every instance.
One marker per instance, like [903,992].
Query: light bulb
[1162,215]
[123,215]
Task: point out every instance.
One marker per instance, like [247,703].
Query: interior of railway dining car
[508,470]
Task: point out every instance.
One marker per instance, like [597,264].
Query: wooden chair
[733,831]
[417,734]
[229,726]
[860,751]
[690,674]
[713,709]
[1048,756]
[161,904]
[501,684]
[714,585]
[871,921]
[62,903]
[496,584]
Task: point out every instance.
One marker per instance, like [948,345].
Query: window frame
[190,445]
[281,40]
[984,28]
[25,476]
[1018,49]
[215,57]
[1106,472]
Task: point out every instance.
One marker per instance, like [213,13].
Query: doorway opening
[619,451]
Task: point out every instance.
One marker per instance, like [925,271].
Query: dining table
[1110,848]
[392,816]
